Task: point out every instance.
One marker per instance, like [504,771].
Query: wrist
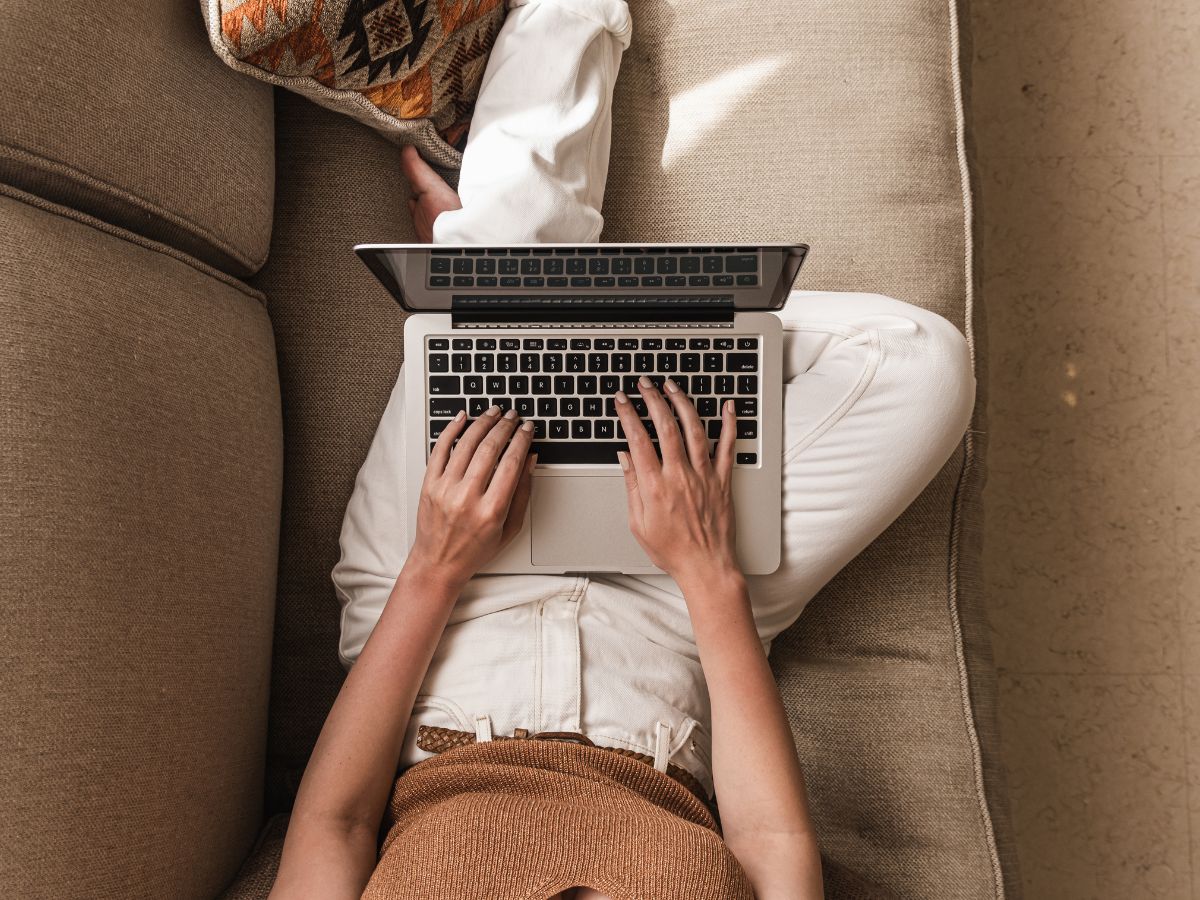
[432,580]
[718,580]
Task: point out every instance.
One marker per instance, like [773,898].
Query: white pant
[877,394]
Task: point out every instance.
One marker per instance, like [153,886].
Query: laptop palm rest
[581,522]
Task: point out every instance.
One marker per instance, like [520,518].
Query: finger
[419,173]
[520,501]
[724,455]
[441,448]
[689,423]
[511,465]
[460,459]
[669,441]
[632,494]
[641,449]
[483,462]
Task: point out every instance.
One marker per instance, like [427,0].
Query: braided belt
[438,740]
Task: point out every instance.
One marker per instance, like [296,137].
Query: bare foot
[431,196]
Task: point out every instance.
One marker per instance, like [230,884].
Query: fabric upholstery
[837,124]
[140,432]
[124,112]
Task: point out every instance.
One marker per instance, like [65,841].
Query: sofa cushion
[123,112]
[412,74]
[836,124]
[140,433]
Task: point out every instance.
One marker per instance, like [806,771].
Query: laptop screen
[613,278]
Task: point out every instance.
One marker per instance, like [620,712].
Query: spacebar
[580,453]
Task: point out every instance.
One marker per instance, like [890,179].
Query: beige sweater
[524,820]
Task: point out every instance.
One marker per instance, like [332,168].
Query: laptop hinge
[617,311]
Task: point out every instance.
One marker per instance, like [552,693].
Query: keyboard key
[581,281]
[552,362]
[547,407]
[539,430]
[627,343]
[722,280]
[723,384]
[622,266]
[643,265]
[523,406]
[747,384]
[652,343]
[741,362]
[581,429]
[446,407]
[676,281]
[463,281]
[598,266]
[439,362]
[689,265]
[439,344]
[472,384]
[485,281]
[747,343]
[747,280]
[496,384]
[532,344]
[593,407]
[556,281]
[485,267]
[603,429]
[445,384]
[605,344]
[713,362]
[553,266]
[577,266]
[743,262]
[509,266]
[531,362]
[714,429]
[609,384]
[689,362]
[605,281]
[439,281]
[439,265]
[461,344]
[568,406]
[643,362]
[533,281]
[701,384]
[460,362]
[667,265]
[510,344]
[652,281]
[485,362]
[747,428]
[477,406]
[576,362]
[437,426]
[675,344]
[518,384]
[597,362]
[541,384]
[556,344]
[581,343]
[746,459]
[698,281]
[699,344]
[706,406]
[557,430]
[531,266]
[485,344]
[582,453]
[503,402]
[746,406]
[621,362]
[564,384]
[585,384]
[462,266]
[510,281]
[668,362]
[712,264]
[506,362]
[627,281]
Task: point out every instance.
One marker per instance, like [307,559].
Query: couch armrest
[140,439]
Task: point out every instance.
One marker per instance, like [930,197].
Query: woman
[639,698]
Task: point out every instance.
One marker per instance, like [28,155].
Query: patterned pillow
[409,68]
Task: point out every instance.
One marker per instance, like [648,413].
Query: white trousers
[877,394]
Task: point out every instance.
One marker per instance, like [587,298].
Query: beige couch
[192,363]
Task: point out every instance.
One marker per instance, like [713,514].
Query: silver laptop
[554,330]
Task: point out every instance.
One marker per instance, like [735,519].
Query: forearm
[349,776]
[759,784]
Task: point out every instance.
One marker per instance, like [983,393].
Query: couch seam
[142,203]
[968,445]
[7,190]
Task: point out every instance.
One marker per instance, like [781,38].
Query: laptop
[554,330]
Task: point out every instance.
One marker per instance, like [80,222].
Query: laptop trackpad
[581,523]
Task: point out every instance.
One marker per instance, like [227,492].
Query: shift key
[445,384]
[741,362]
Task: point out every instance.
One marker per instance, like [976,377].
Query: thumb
[632,493]
[515,520]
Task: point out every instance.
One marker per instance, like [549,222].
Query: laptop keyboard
[565,386]
[583,268]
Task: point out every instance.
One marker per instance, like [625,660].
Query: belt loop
[662,746]
[483,728]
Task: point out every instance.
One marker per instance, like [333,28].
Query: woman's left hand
[474,496]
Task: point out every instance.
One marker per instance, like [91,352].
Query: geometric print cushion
[409,68]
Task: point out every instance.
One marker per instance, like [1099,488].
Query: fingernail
[621,398]
[493,410]
[671,386]
[532,461]
[528,426]
[728,406]
[462,414]
[645,381]
[623,459]
[511,414]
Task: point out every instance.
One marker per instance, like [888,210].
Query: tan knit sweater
[523,820]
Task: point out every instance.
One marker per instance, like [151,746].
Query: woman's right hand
[474,496]
[680,508]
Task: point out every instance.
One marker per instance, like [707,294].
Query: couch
[192,363]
